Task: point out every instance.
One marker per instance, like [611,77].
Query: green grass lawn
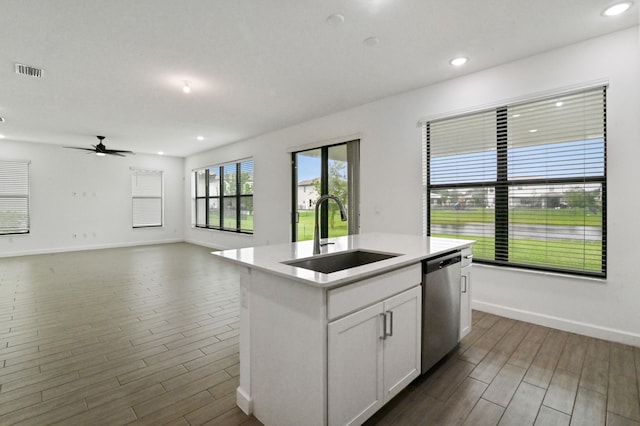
[246,225]
[569,254]
[566,254]
[563,217]
[306,223]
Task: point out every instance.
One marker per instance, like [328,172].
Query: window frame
[353,173]
[27,164]
[503,183]
[236,196]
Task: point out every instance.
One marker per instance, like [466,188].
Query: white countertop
[411,249]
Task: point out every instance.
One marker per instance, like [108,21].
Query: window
[526,181]
[146,198]
[224,197]
[331,169]
[14,197]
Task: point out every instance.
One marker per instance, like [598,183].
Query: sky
[557,160]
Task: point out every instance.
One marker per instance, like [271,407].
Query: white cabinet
[403,344]
[465,293]
[372,355]
[355,366]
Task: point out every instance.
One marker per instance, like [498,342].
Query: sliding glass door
[326,170]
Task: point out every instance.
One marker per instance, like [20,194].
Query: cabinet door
[465,301]
[402,345]
[355,366]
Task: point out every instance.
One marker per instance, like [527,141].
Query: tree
[337,186]
[579,198]
[478,197]
[229,181]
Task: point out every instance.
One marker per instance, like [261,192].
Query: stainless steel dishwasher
[440,307]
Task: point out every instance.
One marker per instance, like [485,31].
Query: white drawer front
[351,297]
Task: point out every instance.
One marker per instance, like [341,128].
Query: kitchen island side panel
[288,351]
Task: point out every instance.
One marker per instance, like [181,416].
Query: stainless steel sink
[340,261]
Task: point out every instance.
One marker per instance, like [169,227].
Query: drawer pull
[384,326]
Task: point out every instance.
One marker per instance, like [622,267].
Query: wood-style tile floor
[149,335]
[508,372]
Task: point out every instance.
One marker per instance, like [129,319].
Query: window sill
[538,273]
[17,234]
[229,231]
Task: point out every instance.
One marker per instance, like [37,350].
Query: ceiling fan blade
[84,149]
[101,149]
[117,150]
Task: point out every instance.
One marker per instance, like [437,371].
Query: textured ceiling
[116,67]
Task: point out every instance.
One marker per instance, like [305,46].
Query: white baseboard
[586,329]
[90,247]
[205,244]
[243,400]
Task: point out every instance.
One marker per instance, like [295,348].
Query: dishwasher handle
[441,262]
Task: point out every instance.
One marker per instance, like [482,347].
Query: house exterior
[307,194]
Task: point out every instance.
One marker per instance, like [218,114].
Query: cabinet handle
[465,283]
[469,256]
[384,326]
[390,323]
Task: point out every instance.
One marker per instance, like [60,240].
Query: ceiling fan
[101,150]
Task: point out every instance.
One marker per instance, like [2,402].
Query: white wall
[391,179]
[89,196]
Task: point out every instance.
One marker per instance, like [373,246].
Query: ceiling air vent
[29,71]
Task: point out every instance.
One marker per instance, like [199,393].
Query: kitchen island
[330,348]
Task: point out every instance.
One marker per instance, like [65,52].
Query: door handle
[390,324]
[384,326]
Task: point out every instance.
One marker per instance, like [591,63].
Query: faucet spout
[316,229]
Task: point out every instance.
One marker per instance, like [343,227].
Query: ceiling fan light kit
[101,150]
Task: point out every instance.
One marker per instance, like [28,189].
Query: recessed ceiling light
[200,138]
[186,88]
[335,20]
[456,62]
[160,153]
[371,41]
[617,9]
[533,130]
[559,104]
[1,136]
[515,115]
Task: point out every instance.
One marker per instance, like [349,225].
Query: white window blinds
[14,197]
[526,181]
[146,192]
